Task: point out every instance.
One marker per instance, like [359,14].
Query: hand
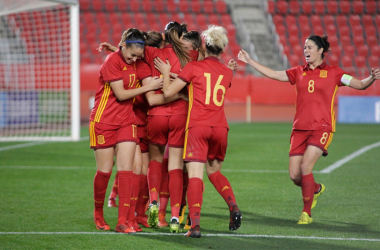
[106,47]
[164,68]
[173,75]
[243,56]
[375,73]
[183,96]
[232,64]
[156,83]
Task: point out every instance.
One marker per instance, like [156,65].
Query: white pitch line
[203,235]
[30,144]
[348,158]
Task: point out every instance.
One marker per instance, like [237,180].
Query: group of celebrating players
[159,106]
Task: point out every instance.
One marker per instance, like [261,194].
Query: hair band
[133,41]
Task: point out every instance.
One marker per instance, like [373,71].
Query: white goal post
[39,70]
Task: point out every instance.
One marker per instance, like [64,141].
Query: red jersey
[108,109]
[178,107]
[316,90]
[140,104]
[208,81]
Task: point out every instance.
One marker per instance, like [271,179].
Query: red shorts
[143,138]
[169,130]
[205,143]
[106,136]
[300,139]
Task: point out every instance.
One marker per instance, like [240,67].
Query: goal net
[39,70]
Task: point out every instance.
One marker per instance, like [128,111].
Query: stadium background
[273,32]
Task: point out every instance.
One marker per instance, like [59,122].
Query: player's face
[311,51]
[132,54]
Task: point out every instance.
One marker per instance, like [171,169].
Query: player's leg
[141,218]
[164,191]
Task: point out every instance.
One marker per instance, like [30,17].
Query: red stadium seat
[196,6]
[303,20]
[345,7]
[278,19]
[305,31]
[171,6]
[134,5]
[281,29]
[333,40]
[315,20]
[336,50]
[349,50]
[201,20]
[346,61]
[363,50]
[184,6]
[319,7]
[127,19]
[333,60]
[358,40]
[271,9]
[332,7]
[147,6]
[164,19]
[344,31]
[221,7]
[331,30]
[367,20]
[294,7]
[374,61]
[226,19]
[282,7]
[377,21]
[307,7]
[102,18]
[370,6]
[139,17]
[357,30]
[85,4]
[213,19]
[122,5]
[371,39]
[329,20]
[358,7]
[345,41]
[318,30]
[341,20]
[97,5]
[360,61]
[294,60]
[290,20]
[354,20]
[293,30]
[375,50]
[208,6]
[297,50]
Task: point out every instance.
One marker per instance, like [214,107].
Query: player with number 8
[314,123]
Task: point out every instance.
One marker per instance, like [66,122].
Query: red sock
[125,190]
[164,189]
[134,196]
[115,190]
[185,177]
[100,187]
[316,187]
[154,180]
[308,187]
[195,199]
[223,186]
[143,196]
[175,190]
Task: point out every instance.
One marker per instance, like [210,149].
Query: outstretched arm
[124,94]
[270,73]
[365,83]
[107,47]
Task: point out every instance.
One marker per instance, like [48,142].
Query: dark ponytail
[321,42]
[173,33]
[153,38]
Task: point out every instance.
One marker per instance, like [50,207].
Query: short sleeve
[292,74]
[338,76]
[187,73]
[143,70]
[149,54]
[111,70]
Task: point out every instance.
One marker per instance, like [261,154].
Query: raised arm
[124,94]
[107,47]
[156,99]
[270,73]
[362,84]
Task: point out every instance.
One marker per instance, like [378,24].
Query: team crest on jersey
[101,139]
[125,68]
[323,73]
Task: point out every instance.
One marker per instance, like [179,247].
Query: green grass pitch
[46,197]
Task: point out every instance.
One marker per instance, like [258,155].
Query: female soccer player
[113,125]
[314,121]
[207,128]
[166,125]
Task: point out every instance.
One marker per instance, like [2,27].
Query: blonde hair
[215,38]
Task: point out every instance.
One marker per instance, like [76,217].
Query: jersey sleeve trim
[183,79]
